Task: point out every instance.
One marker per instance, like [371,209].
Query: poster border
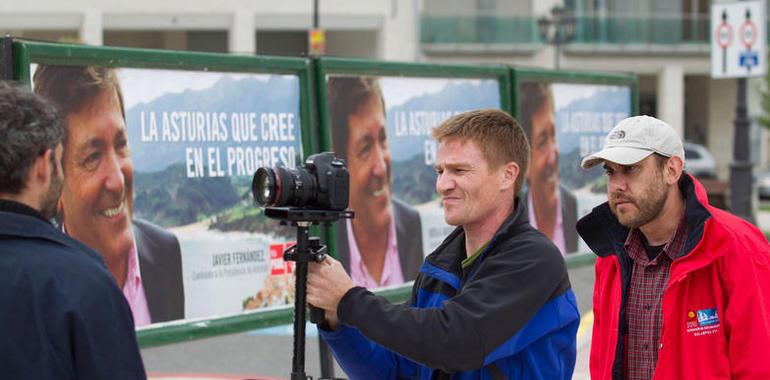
[28,52]
[314,128]
[519,75]
[325,66]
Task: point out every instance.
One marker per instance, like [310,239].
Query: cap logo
[619,134]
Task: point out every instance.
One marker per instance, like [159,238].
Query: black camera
[322,183]
[316,192]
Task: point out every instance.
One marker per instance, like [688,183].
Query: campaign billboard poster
[565,122]
[381,125]
[158,169]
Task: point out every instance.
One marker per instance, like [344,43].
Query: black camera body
[322,183]
[333,180]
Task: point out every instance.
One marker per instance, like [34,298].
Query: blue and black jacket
[510,314]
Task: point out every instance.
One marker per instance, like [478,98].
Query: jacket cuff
[346,307]
[330,334]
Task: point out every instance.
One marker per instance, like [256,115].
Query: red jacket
[716,306]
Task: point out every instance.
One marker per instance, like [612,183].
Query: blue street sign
[749,59]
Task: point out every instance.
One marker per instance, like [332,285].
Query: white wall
[721,113]
[400,36]
[671,96]
[358,44]
[379,29]
[394,21]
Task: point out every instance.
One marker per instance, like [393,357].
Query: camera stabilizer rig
[315,193]
[308,249]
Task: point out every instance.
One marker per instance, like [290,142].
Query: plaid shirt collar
[673,249]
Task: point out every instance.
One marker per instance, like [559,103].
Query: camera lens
[280,187]
[265,187]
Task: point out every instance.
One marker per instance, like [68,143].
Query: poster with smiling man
[158,172]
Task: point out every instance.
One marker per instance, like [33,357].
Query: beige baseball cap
[635,138]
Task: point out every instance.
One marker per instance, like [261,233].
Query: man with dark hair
[682,288]
[96,202]
[61,314]
[382,245]
[552,207]
[492,301]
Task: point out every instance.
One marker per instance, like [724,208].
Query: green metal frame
[314,128]
[177,332]
[325,66]
[28,52]
[532,74]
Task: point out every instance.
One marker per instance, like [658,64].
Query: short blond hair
[498,135]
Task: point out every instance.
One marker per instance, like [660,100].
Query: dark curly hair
[29,125]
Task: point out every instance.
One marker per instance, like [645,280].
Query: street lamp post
[559,29]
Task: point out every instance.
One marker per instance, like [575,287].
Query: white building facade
[666,43]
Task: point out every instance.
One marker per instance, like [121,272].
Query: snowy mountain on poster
[409,124]
[614,102]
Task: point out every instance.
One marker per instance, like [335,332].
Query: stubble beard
[649,204]
[52,194]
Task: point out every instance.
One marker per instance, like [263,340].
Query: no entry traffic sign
[746,55]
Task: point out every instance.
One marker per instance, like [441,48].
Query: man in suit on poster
[552,207]
[96,202]
[382,245]
[61,313]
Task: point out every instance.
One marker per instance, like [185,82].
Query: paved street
[763,219]
[268,353]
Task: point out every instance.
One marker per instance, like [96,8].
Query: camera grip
[317,315]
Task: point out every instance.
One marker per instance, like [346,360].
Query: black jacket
[62,314]
[512,312]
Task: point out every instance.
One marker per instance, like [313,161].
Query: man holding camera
[493,300]
[61,314]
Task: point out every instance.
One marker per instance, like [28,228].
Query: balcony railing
[478,30]
[652,29]
[656,29]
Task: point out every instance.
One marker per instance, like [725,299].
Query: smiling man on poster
[96,202]
[382,245]
[61,314]
[552,207]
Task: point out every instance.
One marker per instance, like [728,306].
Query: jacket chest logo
[702,322]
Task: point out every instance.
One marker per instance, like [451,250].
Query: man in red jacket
[682,288]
